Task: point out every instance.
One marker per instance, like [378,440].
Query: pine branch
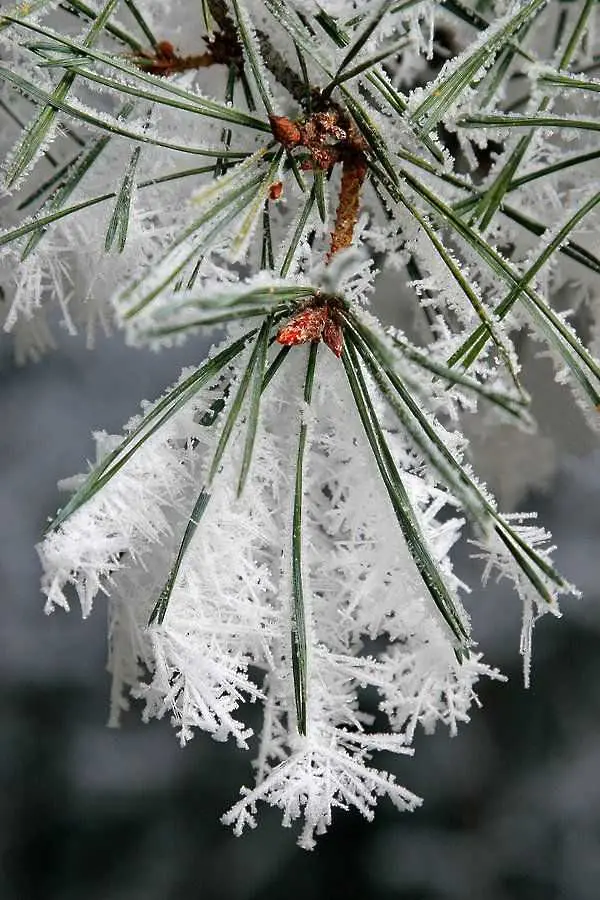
[338,146]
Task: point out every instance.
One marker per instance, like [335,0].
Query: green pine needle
[160,608]
[119,221]
[299,641]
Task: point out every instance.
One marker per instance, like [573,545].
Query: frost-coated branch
[278,528]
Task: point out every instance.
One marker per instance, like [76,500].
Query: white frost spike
[526,642]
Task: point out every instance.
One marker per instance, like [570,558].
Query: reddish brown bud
[305,326]
[276,190]
[285,131]
[165,50]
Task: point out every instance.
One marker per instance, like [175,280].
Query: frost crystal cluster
[277,528]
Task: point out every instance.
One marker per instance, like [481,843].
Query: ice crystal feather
[278,528]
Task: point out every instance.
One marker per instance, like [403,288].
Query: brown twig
[164,60]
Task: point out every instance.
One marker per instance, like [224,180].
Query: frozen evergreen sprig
[293,501]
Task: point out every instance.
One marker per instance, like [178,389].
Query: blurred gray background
[512,805]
